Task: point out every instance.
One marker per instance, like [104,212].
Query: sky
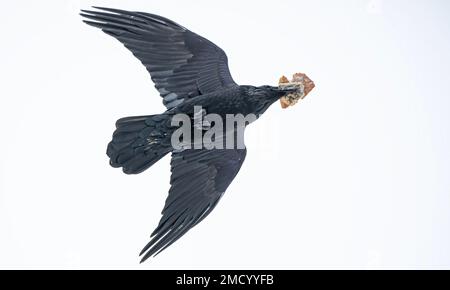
[356,175]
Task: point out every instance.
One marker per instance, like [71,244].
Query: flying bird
[188,71]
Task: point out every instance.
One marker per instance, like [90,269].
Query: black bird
[188,70]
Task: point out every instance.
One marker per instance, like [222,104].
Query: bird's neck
[261,100]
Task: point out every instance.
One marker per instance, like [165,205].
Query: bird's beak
[289,88]
[285,91]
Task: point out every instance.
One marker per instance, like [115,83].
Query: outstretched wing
[199,179]
[181,63]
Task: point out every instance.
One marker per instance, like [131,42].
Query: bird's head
[287,92]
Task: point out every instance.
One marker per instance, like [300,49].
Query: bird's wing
[181,63]
[199,179]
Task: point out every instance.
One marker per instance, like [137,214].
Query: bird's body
[236,100]
[189,72]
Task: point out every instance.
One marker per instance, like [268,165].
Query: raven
[188,70]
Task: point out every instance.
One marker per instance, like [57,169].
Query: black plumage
[188,70]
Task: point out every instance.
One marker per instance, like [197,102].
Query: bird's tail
[139,142]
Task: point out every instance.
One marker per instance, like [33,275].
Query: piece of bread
[304,83]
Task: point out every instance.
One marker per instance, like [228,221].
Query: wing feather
[181,63]
[199,179]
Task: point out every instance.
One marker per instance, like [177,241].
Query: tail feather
[139,142]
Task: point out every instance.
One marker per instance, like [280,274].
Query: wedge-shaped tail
[139,142]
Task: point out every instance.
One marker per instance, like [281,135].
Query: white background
[356,175]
